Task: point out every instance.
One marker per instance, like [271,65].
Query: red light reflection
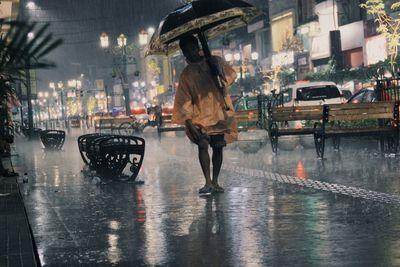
[300,172]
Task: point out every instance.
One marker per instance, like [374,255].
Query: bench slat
[334,131]
[171,129]
[353,117]
[366,112]
[295,131]
[297,116]
[369,105]
[297,108]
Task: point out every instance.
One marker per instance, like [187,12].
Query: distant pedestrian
[199,105]
[87,120]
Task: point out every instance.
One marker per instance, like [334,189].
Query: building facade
[307,34]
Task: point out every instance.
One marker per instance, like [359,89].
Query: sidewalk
[16,247]
[285,210]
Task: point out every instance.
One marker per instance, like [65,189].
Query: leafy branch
[387,25]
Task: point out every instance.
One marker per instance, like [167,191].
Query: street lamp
[31,5]
[143,35]
[238,57]
[254,56]
[121,41]
[228,57]
[104,43]
[36,108]
[150,31]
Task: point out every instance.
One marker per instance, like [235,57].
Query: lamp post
[238,58]
[45,100]
[143,40]
[60,86]
[121,41]
[76,85]
[35,108]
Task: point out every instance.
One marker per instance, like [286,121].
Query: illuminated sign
[283,58]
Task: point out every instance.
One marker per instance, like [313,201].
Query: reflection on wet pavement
[284,210]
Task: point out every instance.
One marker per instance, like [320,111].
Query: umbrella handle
[217,78]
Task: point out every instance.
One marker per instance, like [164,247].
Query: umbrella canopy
[211,17]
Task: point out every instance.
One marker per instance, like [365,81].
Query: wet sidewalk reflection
[285,210]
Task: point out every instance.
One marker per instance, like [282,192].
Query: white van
[311,93]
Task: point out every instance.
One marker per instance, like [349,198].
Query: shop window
[306,11]
[350,11]
[353,58]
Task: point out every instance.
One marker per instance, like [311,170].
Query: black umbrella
[206,18]
[209,17]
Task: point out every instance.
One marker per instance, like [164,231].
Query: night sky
[80,23]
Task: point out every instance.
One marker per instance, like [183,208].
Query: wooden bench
[164,124]
[279,118]
[247,119]
[384,115]
[110,123]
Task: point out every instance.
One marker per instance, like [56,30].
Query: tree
[24,45]
[387,25]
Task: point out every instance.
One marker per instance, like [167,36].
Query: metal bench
[384,115]
[83,143]
[52,139]
[109,155]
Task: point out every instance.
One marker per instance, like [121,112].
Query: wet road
[285,210]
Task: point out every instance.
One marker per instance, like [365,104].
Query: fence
[388,89]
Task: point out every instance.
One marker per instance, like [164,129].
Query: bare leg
[217,163]
[204,159]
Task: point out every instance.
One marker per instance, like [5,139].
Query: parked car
[346,93]
[306,93]
[312,93]
[363,95]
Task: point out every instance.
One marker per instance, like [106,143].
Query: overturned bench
[52,139]
[112,155]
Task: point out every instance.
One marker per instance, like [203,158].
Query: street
[285,210]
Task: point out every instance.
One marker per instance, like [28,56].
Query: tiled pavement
[285,210]
[16,247]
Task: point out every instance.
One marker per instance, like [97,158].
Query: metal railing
[388,89]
